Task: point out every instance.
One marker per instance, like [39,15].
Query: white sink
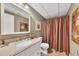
[23,43]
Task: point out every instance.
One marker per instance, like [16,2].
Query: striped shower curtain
[55,32]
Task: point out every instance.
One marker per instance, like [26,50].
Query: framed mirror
[15,21]
[75,26]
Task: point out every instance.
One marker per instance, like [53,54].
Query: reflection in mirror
[75,26]
[15,20]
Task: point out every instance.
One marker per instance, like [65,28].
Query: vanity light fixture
[21,4]
[26,6]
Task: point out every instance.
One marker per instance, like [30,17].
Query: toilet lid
[45,45]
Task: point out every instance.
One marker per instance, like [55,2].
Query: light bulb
[26,6]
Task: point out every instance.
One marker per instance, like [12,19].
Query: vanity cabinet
[33,50]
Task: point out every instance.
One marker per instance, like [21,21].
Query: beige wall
[0,18]
[73,46]
[35,17]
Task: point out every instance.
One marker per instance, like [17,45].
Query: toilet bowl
[44,47]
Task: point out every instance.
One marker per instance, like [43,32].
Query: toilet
[44,47]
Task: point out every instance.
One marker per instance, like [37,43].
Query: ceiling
[50,10]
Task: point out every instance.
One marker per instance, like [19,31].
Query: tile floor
[55,53]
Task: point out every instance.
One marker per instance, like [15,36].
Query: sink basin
[23,43]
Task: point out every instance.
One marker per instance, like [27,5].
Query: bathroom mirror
[75,26]
[16,20]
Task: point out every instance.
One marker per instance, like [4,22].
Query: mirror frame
[75,29]
[2,17]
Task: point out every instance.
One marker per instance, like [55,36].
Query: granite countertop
[12,50]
